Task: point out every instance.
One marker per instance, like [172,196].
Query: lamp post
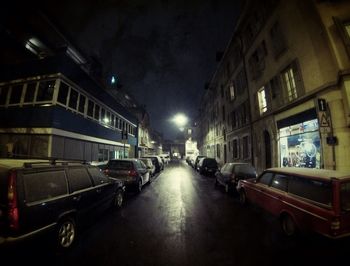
[180,120]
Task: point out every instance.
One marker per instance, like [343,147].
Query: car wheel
[139,186]
[288,225]
[118,199]
[243,197]
[66,233]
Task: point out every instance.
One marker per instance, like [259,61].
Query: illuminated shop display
[300,145]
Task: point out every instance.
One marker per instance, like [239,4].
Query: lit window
[262,100]
[289,82]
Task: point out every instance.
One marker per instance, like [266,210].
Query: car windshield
[345,196]
[120,165]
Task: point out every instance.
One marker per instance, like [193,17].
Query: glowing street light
[180,120]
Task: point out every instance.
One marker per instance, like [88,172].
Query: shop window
[63,93]
[262,100]
[300,145]
[45,91]
[30,93]
[16,93]
[73,99]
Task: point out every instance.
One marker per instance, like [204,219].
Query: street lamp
[180,120]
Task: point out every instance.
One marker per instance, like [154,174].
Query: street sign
[324,121]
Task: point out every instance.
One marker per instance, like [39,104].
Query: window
[262,100]
[218,150]
[232,91]
[315,190]
[235,149]
[81,107]
[246,153]
[277,40]
[344,32]
[90,111]
[266,179]
[3,95]
[275,87]
[113,120]
[44,185]
[233,119]
[16,93]
[30,93]
[63,93]
[78,179]
[291,81]
[73,99]
[97,112]
[45,91]
[280,182]
[97,176]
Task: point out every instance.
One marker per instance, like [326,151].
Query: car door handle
[77,198]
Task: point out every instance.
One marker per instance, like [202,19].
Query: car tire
[66,233]
[139,186]
[118,199]
[288,226]
[243,197]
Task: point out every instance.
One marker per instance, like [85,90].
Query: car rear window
[315,190]
[245,170]
[280,182]
[97,176]
[266,178]
[211,162]
[44,185]
[78,179]
[120,165]
[345,196]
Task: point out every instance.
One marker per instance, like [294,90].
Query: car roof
[19,163]
[312,172]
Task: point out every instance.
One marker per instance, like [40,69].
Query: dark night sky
[162,51]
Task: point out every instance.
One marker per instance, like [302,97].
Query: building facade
[292,58]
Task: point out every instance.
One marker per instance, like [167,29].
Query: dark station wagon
[37,196]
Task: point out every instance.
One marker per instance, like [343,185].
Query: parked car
[303,199]
[133,172]
[157,161]
[231,173]
[150,166]
[207,166]
[41,196]
[165,158]
[196,161]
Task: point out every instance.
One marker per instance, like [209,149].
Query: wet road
[181,219]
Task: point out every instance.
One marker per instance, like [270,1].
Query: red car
[303,199]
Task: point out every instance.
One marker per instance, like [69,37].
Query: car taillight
[132,173]
[12,201]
